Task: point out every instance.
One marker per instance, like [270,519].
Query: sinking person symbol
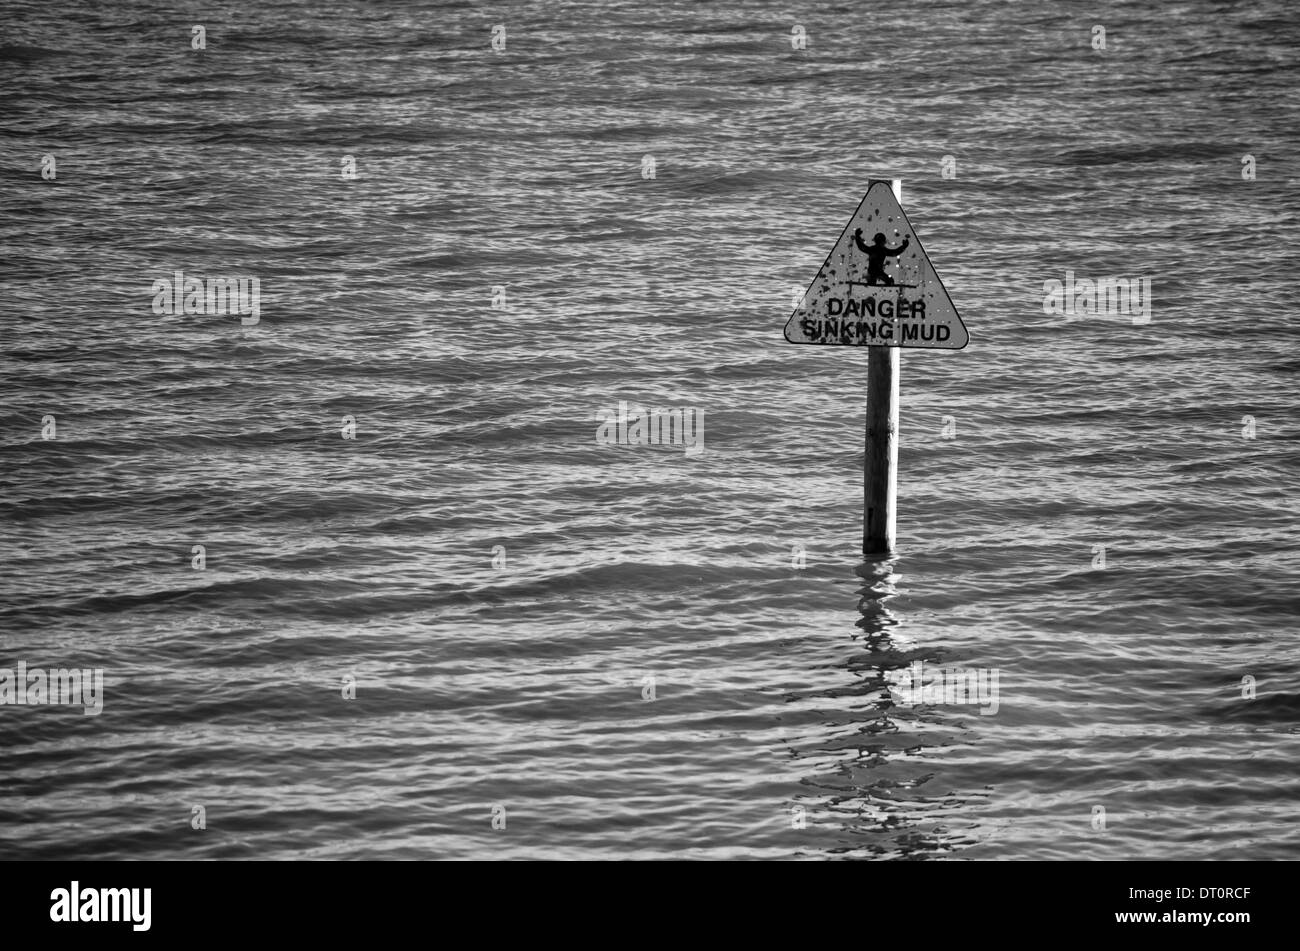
[876,253]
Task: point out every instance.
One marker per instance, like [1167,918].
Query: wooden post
[880,469]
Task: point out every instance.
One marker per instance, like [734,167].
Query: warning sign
[877,287]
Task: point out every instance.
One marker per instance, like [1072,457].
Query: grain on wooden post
[880,468]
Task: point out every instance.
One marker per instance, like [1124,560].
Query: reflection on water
[873,768]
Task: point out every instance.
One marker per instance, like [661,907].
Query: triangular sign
[877,287]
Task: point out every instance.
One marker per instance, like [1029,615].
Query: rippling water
[612,649]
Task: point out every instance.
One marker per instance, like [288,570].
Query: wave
[1155,152]
[19,53]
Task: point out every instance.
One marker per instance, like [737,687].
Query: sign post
[880,292]
[880,463]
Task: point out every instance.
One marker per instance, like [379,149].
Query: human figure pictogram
[876,253]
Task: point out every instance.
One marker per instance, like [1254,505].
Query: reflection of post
[880,469]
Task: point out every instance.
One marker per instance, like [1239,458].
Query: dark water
[776,727]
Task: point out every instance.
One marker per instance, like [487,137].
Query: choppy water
[524,686]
